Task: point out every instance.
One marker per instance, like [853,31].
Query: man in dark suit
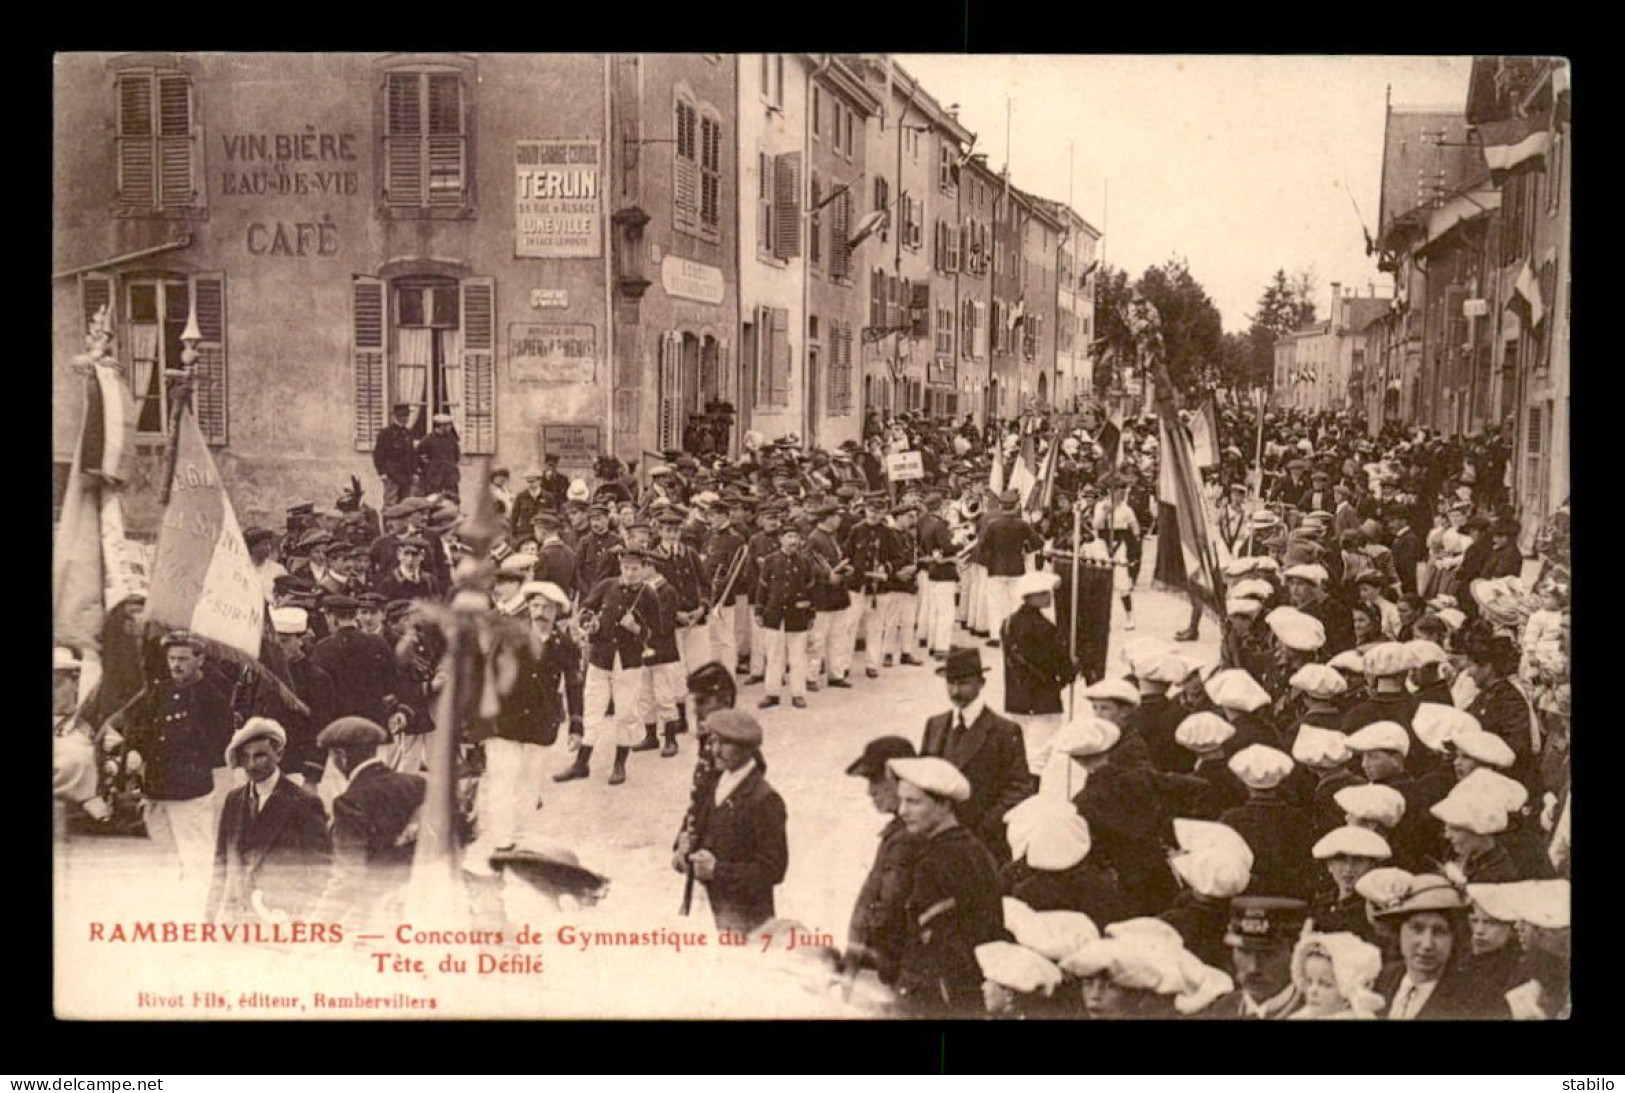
[1003,548]
[1037,664]
[987,749]
[394,456]
[362,666]
[1406,549]
[1262,932]
[738,848]
[313,686]
[272,854]
[555,561]
[374,822]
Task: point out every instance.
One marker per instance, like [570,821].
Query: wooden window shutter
[710,171]
[209,399]
[137,177]
[479,365]
[669,429]
[781,356]
[446,145]
[177,186]
[686,169]
[815,225]
[403,139]
[95,293]
[367,357]
[787,205]
[920,305]
[840,253]
[877,297]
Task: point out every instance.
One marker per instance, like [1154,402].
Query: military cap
[1263,922]
[182,637]
[341,604]
[291,584]
[412,542]
[257,535]
[877,753]
[314,538]
[903,509]
[352,732]
[735,726]
[670,516]
[847,492]
[371,601]
[545,518]
[342,549]
[631,553]
[711,680]
[307,508]
[396,608]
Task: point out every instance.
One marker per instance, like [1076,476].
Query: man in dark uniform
[785,595]
[681,567]
[875,556]
[1263,931]
[439,456]
[1503,708]
[362,666]
[728,559]
[762,546]
[409,580]
[596,550]
[1003,548]
[394,456]
[829,644]
[740,852]
[1037,664]
[937,555]
[1278,832]
[555,562]
[374,823]
[954,903]
[527,504]
[1157,716]
[315,689]
[880,927]
[985,747]
[181,728]
[273,851]
[661,689]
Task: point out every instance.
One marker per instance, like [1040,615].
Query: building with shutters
[840,112]
[673,220]
[464,234]
[1076,260]
[914,155]
[979,190]
[1040,234]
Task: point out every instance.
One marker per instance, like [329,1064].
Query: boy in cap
[410,580]
[879,927]
[373,822]
[739,850]
[273,851]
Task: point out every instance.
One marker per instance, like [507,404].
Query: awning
[1459,210]
[1514,145]
[174,244]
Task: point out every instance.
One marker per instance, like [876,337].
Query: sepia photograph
[853,536]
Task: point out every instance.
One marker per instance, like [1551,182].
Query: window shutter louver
[95,293]
[668,428]
[137,180]
[710,172]
[787,205]
[781,356]
[840,252]
[176,186]
[479,366]
[686,167]
[209,395]
[920,305]
[815,226]
[403,140]
[444,145]
[877,297]
[367,357]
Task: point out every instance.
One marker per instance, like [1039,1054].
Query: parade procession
[530,612]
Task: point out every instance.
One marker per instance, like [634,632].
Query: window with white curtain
[427,349]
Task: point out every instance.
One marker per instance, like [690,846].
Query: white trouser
[1001,593]
[186,830]
[1037,731]
[408,753]
[899,628]
[693,647]
[921,623]
[723,626]
[843,638]
[1062,778]
[786,649]
[818,645]
[622,685]
[510,790]
[973,604]
[874,622]
[937,614]
[662,687]
[758,646]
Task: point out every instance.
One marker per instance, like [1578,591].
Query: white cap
[1203,731]
[1424,652]
[1476,810]
[1373,803]
[545,589]
[1485,747]
[1050,934]
[932,774]
[1085,735]
[1389,658]
[1296,630]
[255,728]
[1318,681]
[1032,584]
[1348,660]
[1017,967]
[1509,793]
[1381,736]
[1247,608]
[1541,903]
[578,491]
[1131,963]
[64,659]
[1234,689]
[1214,860]
[519,563]
[1152,930]
[1167,668]
[1451,617]
[1117,690]
[1385,885]
[1353,842]
[1253,589]
[1260,766]
[1058,841]
[289,620]
[1436,724]
[1317,747]
[1312,572]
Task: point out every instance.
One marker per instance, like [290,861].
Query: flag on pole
[1038,500]
[1514,145]
[1186,557]
[1526,301]
[203,579]
[1205,436]
[1022,479]
[1110,435]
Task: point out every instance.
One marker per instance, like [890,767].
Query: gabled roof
[1418,164]
[1360,311]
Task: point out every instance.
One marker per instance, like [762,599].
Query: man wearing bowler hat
[1262,932]
[986,747]
[739,850]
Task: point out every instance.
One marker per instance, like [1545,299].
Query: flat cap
[1114,690]
[1318,681]
[352,732]
[1204,731]
[547,590]
[181,637]
[255,728]
[1314,573]
[1260,766]
[1372,803]
[1474,808]
[1484,747]
[1436,724]
[1352,842]
[877,753]
[1388,658]
[1542,903]
[932,774]
[1234,689]
[289,620]
[1318,747]
[1017,968]
[1381,736]
[735,726]
[1084,736]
